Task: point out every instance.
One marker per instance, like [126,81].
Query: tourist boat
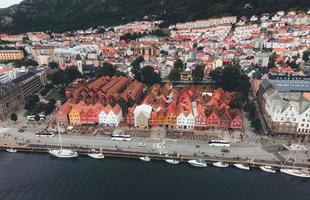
[268,169]
[242,166]
[11,150]
[295,172]
[95,155]
[220,164]
[198,163]
[145,159]
[62,153]
[172,161]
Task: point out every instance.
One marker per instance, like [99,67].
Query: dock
[155,156]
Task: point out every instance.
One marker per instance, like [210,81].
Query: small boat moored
[145,159]
[96,155]
[220,164]
[295,172]
[268,169]
[172,161]
[242,166]
[198,163]
[11,150]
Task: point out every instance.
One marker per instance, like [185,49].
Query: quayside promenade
[255,154]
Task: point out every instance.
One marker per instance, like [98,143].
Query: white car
[142,145]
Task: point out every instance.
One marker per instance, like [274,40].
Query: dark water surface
[42,177]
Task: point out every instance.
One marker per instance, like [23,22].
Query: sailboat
[294,172]
[62,153]
[96,155]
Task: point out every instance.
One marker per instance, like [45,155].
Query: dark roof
[24,77]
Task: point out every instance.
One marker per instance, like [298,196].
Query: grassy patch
[55,95]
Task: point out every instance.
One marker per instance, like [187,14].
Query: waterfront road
[11,137]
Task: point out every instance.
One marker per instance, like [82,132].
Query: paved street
[11,136]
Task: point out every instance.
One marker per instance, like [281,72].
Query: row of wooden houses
[167,106]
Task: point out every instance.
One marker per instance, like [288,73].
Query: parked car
[225,151]
[20,130]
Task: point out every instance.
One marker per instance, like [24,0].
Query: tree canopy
[231,78]
[198,73]
[306,56]
[14,117]
[149,76]
[174,74]
[65,77]
[178,64]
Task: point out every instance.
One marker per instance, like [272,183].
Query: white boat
[145,159]
[172,161]
[198,163]
[242,166]
[96,155]
[295,172]
[11,150]
[220,164]
[268,169]
[62,153]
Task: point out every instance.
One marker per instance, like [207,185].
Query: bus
[42,117]
[120,137]
[30,117]
[219,143]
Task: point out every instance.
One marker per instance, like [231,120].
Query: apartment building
[11,97]
[11,55]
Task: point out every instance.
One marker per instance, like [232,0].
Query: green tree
[249,107]
[178,64]
[106,70]
[231,78]
[174,75]
[239,100]
[49,108]
[14,117]
[256,124]
[137,61]
[198,73]
[53,65]
[306,55]
[272,61]
[149,76]
[37,118]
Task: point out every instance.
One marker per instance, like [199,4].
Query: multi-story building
[11,55]
[284,113]
[11,97]
[261,59]
[32,81]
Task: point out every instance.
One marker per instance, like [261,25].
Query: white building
[185,119]
[110,116]
[142,114]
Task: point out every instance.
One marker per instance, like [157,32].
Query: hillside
[62,15]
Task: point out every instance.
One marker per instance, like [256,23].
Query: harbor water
[42,177]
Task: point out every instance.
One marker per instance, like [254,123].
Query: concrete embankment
[155,156]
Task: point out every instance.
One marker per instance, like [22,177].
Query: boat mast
[60,143]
